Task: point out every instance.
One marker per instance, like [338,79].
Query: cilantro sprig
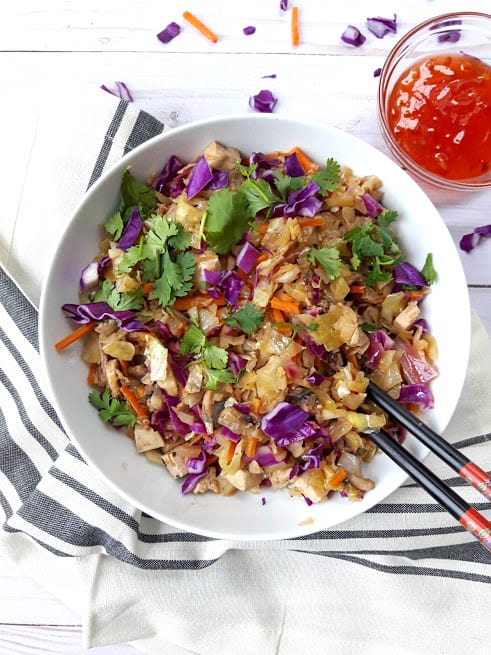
[107,292]
[258,192]
[375,242]
[428,270]
[113,411]
[248,319]
[213,359]
[296,328]
[227,218]
[328,258]
[328,178]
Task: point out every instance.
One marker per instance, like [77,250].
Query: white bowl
[150,487]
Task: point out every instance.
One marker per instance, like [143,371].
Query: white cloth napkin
[402,578]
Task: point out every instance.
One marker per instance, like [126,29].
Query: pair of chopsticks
[468,517]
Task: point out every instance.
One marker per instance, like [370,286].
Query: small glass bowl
[461,32]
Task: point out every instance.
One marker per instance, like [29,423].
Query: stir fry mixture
[235,313]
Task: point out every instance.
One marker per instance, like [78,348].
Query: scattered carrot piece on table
[75,335]
[295,27]
[201,27]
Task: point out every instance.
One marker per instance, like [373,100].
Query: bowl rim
[398,153]
[120,165]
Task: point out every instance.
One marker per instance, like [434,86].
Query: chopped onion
[353,36]
[247,257]
[264,102]
[381,26]
[168,33]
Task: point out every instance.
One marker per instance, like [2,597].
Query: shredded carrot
[256,404]
[262,258]
[315,221]
[415,295]
[295,27]
[91,374]
[251,445]
[75,335]
[140,391]
[352,359]
[201,27]
[278,316]
[243,276]
[305,162]
[337,478]
[286,306]
[262,229]
[357,288]
[197,301]
[147,288]
[124,366]
[231,450]
[139,409]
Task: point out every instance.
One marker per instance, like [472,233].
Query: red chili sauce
[440,114]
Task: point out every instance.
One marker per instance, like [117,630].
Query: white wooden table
[60,48]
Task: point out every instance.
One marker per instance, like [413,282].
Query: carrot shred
[256,405]
[75,335]
[124,366]
[243,276]
[278,316]
[201,27]
[357,288]
[262,258]
[147,288]
[415,295]
[251,445]
[337,478]
[262,229]
[315,221]
[295,27]
[286,306]
[91,373]
[201,300]
[130,397]
[231,450]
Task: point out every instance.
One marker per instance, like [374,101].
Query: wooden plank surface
[60,48]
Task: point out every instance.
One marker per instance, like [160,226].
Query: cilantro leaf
[214,357]
[227,218]
[328,258]
[107,292]
[187,264]
[259,195]
[248,319]
[286,184]
[193,340]
[428,271]
[114,225]
[175,279]
[215,376]
[328,179]
[181,240]
[112,410]
[137,194]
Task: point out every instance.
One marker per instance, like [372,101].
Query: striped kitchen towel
[49,493]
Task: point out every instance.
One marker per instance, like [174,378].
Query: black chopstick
[456,460]
[468,517]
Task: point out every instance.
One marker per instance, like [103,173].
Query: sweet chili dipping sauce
[439,112]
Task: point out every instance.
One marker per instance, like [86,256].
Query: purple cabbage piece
[373,207]
[377,72]
[159,419]
[264,456]
[284,423]
[446,23]
[89,277]
[316,349]
[272,76]
[379,343]
[191,481]
[293,167]
[170,170]
[300,203]
[307,500]
[382,26]
[179,426]
[416,393]
[469,241]
[315,284]
[264,102]
[353,36]
[233,436]
[421,322]
[315,378]
[209,443]
[219,181]
[250,29]
[101,311]
[283,5]
[231,285]
[200,177]
[122,91]
[246,259]
[243,409]
[312,457]
[263,500]
[236,363]
[131,230]
[406,273]
[168,33]
[449,36]
[197,464]
[264,166]
[211,277]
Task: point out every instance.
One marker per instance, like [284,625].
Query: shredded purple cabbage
[421,322]
[101,311]
[379,343]
[197,464]
[382,26]
[264,102]
[416,393]
[170,170]
[272,76]
[179,426]
[264,456]
[293,167]
[246,259]
[131,230]
[191,481]
[373,207]
[250,29]
[300,203]
[353,36]
[200,177]
[243,409]
[168,33]
[229,434]
[227,283]
[283,5]
[312,457]
[406,273]
[469,241]
[236,363]
[450,36]
[122,91]
[377,72]
[219,180]
[286,424]
[315,378]
[89,277]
